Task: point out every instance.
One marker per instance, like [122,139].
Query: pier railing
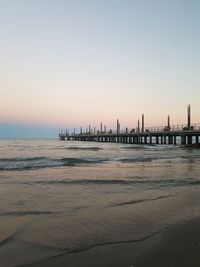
[159,135]
[176,127]
[140,134]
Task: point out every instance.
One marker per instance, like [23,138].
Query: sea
[61,197]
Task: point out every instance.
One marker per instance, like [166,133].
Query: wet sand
[177,245]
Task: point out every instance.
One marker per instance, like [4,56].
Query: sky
[71,63]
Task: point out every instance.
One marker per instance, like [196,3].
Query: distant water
[59,197]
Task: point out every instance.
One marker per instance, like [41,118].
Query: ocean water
[59,197]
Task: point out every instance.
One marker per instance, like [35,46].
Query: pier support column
[174,139]
[157,140]
[189,139]
[183,140]
[170,140]
[137,138]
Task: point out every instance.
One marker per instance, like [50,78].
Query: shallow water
[58,197]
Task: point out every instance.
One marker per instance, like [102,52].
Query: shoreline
[179,246]
[176,245]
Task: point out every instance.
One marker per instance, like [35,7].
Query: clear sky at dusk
[73,63]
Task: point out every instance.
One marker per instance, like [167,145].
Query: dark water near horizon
[60,197]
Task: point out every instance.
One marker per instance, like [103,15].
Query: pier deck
[147,137]
[185,134]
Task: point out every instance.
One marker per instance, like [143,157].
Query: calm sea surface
[58,197]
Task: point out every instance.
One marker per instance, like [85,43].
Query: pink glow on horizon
[63,119]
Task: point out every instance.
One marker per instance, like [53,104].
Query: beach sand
[177,245]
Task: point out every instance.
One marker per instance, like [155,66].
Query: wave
[138,147]
[135,182]
[142,159]
[84,148]
[76,148]
[82,182]
[136,201]
[75,161]
[195,182]
[15,164]
[25,213]
[149,159]
[31,163]
[21,159]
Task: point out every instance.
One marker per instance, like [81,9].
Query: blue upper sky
[66,64]
[18,130]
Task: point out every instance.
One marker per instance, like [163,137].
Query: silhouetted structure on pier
[187,134]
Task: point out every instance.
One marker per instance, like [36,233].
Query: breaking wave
[12,164]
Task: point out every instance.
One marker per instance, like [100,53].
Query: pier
[184,134]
